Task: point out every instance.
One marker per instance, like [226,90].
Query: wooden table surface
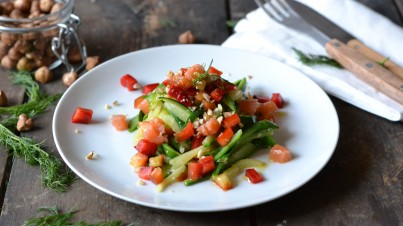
[361,184]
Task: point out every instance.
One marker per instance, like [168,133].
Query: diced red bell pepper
[195,170]
[277,99]
[149,88]
[185,133]
[231,121]
[214,71]
[128,82]
[261,99]
[225,136]
[156,175]
[217,94]
[253,176]
[208,163]
[146,147]
[145,172]
[82,115]
[197,141]
[183,70]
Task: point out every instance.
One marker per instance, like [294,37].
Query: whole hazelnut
[56,7]
[17,14]
[7,7]
[35,7]
[69,78]
[186,38]
[14,54]
[25,64]
[23,5]
[46,5]
[3,99]
[8,63]
[43,75]
[91,62]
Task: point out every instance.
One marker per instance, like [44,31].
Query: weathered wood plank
[122,27]
[15,95]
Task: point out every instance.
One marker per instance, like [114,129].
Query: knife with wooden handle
[366,69]
[360,61]
[375,56]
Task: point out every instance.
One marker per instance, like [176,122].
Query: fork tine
[287,8]
[279,8]
[268,8]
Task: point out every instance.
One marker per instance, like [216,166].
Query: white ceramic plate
[309,127]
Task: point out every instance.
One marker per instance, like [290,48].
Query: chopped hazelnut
[186,38]
[3,99]
[90,155]
[24,123]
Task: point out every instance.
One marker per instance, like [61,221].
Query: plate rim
[183,209]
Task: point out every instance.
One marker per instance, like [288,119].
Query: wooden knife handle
[367,70]
[375,56]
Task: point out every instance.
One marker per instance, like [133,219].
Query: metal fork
[280,11]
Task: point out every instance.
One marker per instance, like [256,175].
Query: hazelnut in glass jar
[36,33]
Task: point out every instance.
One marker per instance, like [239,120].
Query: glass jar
[34,34]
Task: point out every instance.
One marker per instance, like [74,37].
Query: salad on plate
[196,126]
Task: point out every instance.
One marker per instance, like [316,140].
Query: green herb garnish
[56,218]
[383,62]
[53,174]
[310,59]
[231,23]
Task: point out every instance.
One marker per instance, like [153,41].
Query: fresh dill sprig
[25,80]
[56,218]
[31,108]
[203,76]
[310,59]
[54,174]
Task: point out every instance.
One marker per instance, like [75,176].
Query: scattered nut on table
[43,75]
[24,123]
[3,99]
[186,38]
[91,62]
[69,78]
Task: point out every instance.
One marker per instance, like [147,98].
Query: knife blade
[354,55]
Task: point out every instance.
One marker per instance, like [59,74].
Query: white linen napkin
[257,32]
